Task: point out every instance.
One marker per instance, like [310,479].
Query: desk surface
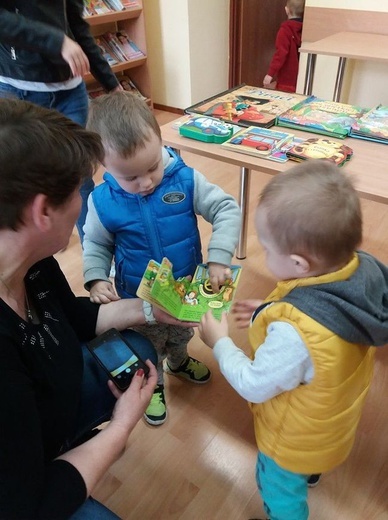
[368,166]
[356,45]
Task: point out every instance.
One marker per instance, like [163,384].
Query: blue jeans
[74,105]
[284,493]
[96,406]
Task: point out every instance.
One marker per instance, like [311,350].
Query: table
[356,45]
[368,167]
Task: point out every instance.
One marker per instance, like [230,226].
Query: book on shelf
[186,300]
[247,106]
[115,46]
[260,142]
[94,7]
[372,126]
[96,92]
[320,148]
[322,117]
[127,46]
[128,4]
[106,51]
[130,86]
[115,5]
[207,129]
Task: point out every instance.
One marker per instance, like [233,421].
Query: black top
[40,380]
[31,38]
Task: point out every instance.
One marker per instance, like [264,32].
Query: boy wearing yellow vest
[311,364]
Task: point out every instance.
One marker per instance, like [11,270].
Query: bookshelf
[130,20]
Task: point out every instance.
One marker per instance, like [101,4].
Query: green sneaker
[191,370]
[156,412]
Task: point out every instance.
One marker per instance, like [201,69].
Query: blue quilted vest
[151,227]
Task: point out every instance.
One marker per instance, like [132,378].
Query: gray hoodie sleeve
[98,247]
[223,212]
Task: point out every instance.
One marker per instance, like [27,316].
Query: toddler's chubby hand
[218,274]
[102,292]
[243,310]
[211,330]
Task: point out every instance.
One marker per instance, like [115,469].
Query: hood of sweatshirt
[355,309]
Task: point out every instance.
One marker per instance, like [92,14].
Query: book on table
[247,106]
[186,300]
[320,148]
[207,129]
[372,126]
[322,117]
[260,142]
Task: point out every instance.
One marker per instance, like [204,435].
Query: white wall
[365,83]
[188,49]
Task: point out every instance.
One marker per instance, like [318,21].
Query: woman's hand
[75,57]
[243,310]
[132,403]
[211,330]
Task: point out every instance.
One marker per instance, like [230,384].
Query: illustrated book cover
[128,47]
[247,106]
[186,300]
[322,117]
[260,142]
[321,148]
[207,129]
[373,125]
[130,86]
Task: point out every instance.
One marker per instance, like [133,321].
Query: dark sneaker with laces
[313,480]
[156,412]
[191,370]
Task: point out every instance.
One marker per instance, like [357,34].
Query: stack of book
[94,7]
[373,125]
[322,117]
[247,106]
[118,47]
[320,148]
[260,142]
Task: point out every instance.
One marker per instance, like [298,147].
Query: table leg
[310,70]
[245,178]
[339,79]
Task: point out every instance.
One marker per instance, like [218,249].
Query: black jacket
[31,38]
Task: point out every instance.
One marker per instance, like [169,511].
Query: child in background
[311,364]
[283,70]
[146,209]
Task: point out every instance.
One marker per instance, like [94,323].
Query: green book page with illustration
[186,300]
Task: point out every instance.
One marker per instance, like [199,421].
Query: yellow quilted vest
[311,429]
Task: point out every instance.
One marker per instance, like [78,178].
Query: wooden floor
[200,464]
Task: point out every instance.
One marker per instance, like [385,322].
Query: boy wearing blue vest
[312,361]
[145,209]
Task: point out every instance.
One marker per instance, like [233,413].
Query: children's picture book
[96,7]
[247,106]
[114,45]
[260,142]
[322,117]
[115,5]
[207,129]
[186,300]
[127,46]
[373,125]
[106,51]
[130,86]
[321,148]
[128,4]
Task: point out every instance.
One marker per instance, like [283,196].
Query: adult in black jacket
[45,50]
[51,391]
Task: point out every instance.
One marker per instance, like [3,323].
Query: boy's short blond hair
[296,7]
[124,122]
[314,211]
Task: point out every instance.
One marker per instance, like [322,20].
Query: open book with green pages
[186,300]
[322,117]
